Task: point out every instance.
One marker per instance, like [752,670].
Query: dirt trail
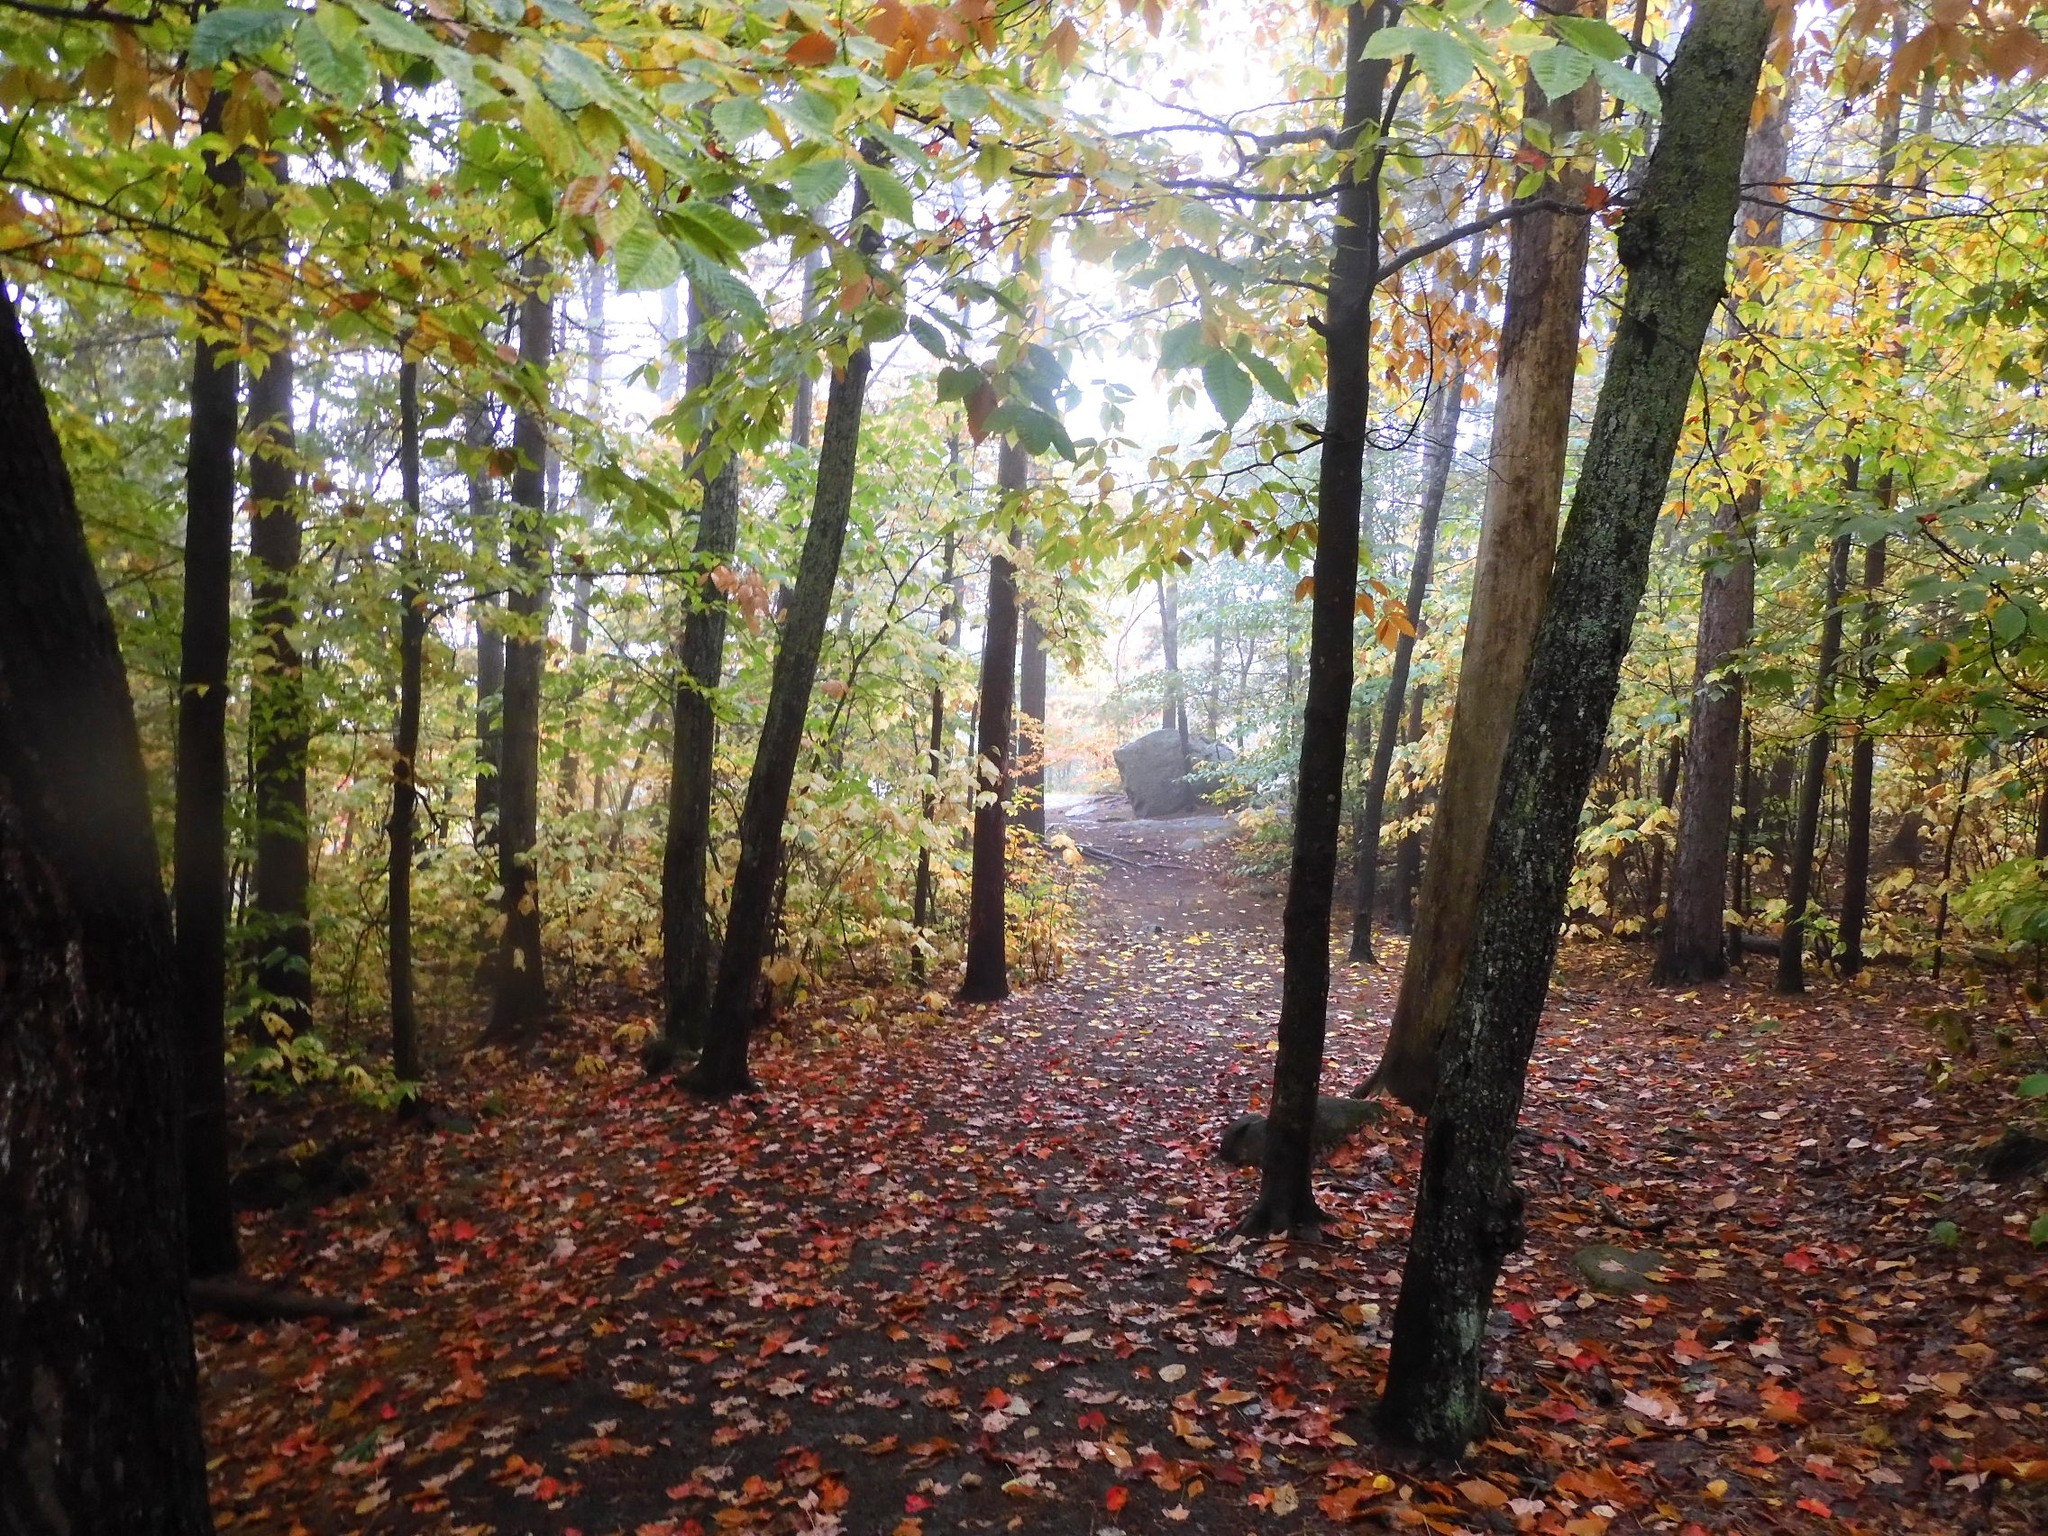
[970,1277]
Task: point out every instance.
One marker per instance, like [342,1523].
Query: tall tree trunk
[806,391]
[1813,786]
[1441,444]
[1674,246]
[1743,825]
[1538,358]
[1667,794]
[1031,727]
[581,587]
[722,1070]
[1408,856]
[405,747]
[199,835]
[99,1406]
[686,854]
[1286,1201]
[987,978]
[1863,760]
[282,939]
[1173,710]
[924,890]
[490,638]
[519,993]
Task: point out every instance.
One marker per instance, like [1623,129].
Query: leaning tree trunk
[1539,355]
[1674,246]
[199,834]
[722,1069]
[987,978]
[1286,1200]
[1436,475]
[519,986]
[686,854]
[282,939]
[99,1408]
[405,746]
[1813,786]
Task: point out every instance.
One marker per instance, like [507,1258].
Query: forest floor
[961,1271]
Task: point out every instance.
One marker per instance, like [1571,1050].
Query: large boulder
[1158,780]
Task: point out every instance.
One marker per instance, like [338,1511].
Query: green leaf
[815,116]
[1181,347]
[1560,71]
[723,287]
[2009,621]
[965,102]
[2037,1231]
[388,29]
[1638,91]
[1447,62]
[2034,1087]
[1270,378]
[235,30]
[645,260]
[738,118]
[1597,38]
[719,232]
[333,60]
[887,193]
[816,182]
[1946,1233]
[1229,386]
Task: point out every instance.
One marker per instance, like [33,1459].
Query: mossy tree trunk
[1674,247]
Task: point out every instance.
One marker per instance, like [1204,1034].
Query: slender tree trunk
[1863,760]
[1286,1200]
[199,836]
[722,1070]
[1173,711]
[1031,727]
[987,978]
[1743,824]
[686,854]
[1539,355]
[1215,732]
[519,1000]
[581,587]
[99,1407]
[405,750]
[1674,247]
[801,408]
[1813,786]
[924,891]
[282,939]
[1441,445]
[1948,864]
[490,638]
[1408,856]
[1667,795]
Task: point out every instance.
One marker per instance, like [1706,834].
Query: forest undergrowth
[967,1270]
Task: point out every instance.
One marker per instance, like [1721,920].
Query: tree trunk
[282,943]
[519,993]
[1286,1201]
[490,639]
[1667,794]
[1442,444]
[99,1408]
[1674,246]
[580,589]
[1813,786]
[987,978]
[923,892]
[686,853]
[1031,728]
[806,391]
[412,640]
[1863,760]
[1408,856]
[722,1069]
[1173,711]
[199,835]
[1538,358]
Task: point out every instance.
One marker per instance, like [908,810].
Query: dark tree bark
[1538,359]
[801,408]
[1031,727]
[99,1408]
[1286,1202]
[1408,856]
[1863,761]
[405,746]
[1813,785]
[282,940]
[519,999]
[686,854]
[924,890]
[490,639]
[1674,247]
[1442,443]
[1667,794]
[199,835]
[987,978]
[722,1069]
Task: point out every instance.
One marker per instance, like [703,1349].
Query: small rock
[1616,1271]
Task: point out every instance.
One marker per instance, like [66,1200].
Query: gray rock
[1158,781]
[1616,1271]
[1337,1121]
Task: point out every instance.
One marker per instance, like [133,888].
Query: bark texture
[1674,247]
[1539,353]
[1031,726]
[1813,783]
[490,639]
[99,1414]
[1286,1200]
[686,854]
[405,745]
[924,889]
[1863,763]
[519,1000]
[987,977]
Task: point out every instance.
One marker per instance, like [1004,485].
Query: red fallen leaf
[1815,1507]
[916,1503]
[997,1398]
[1092,1422]
[463,1230]
[1116,1498]
[1781,1405]
[1802,1260]
[1521,1312]
[1763,1455]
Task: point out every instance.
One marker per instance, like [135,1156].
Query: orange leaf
[1116,1498]
[1304,588]
[813,50]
